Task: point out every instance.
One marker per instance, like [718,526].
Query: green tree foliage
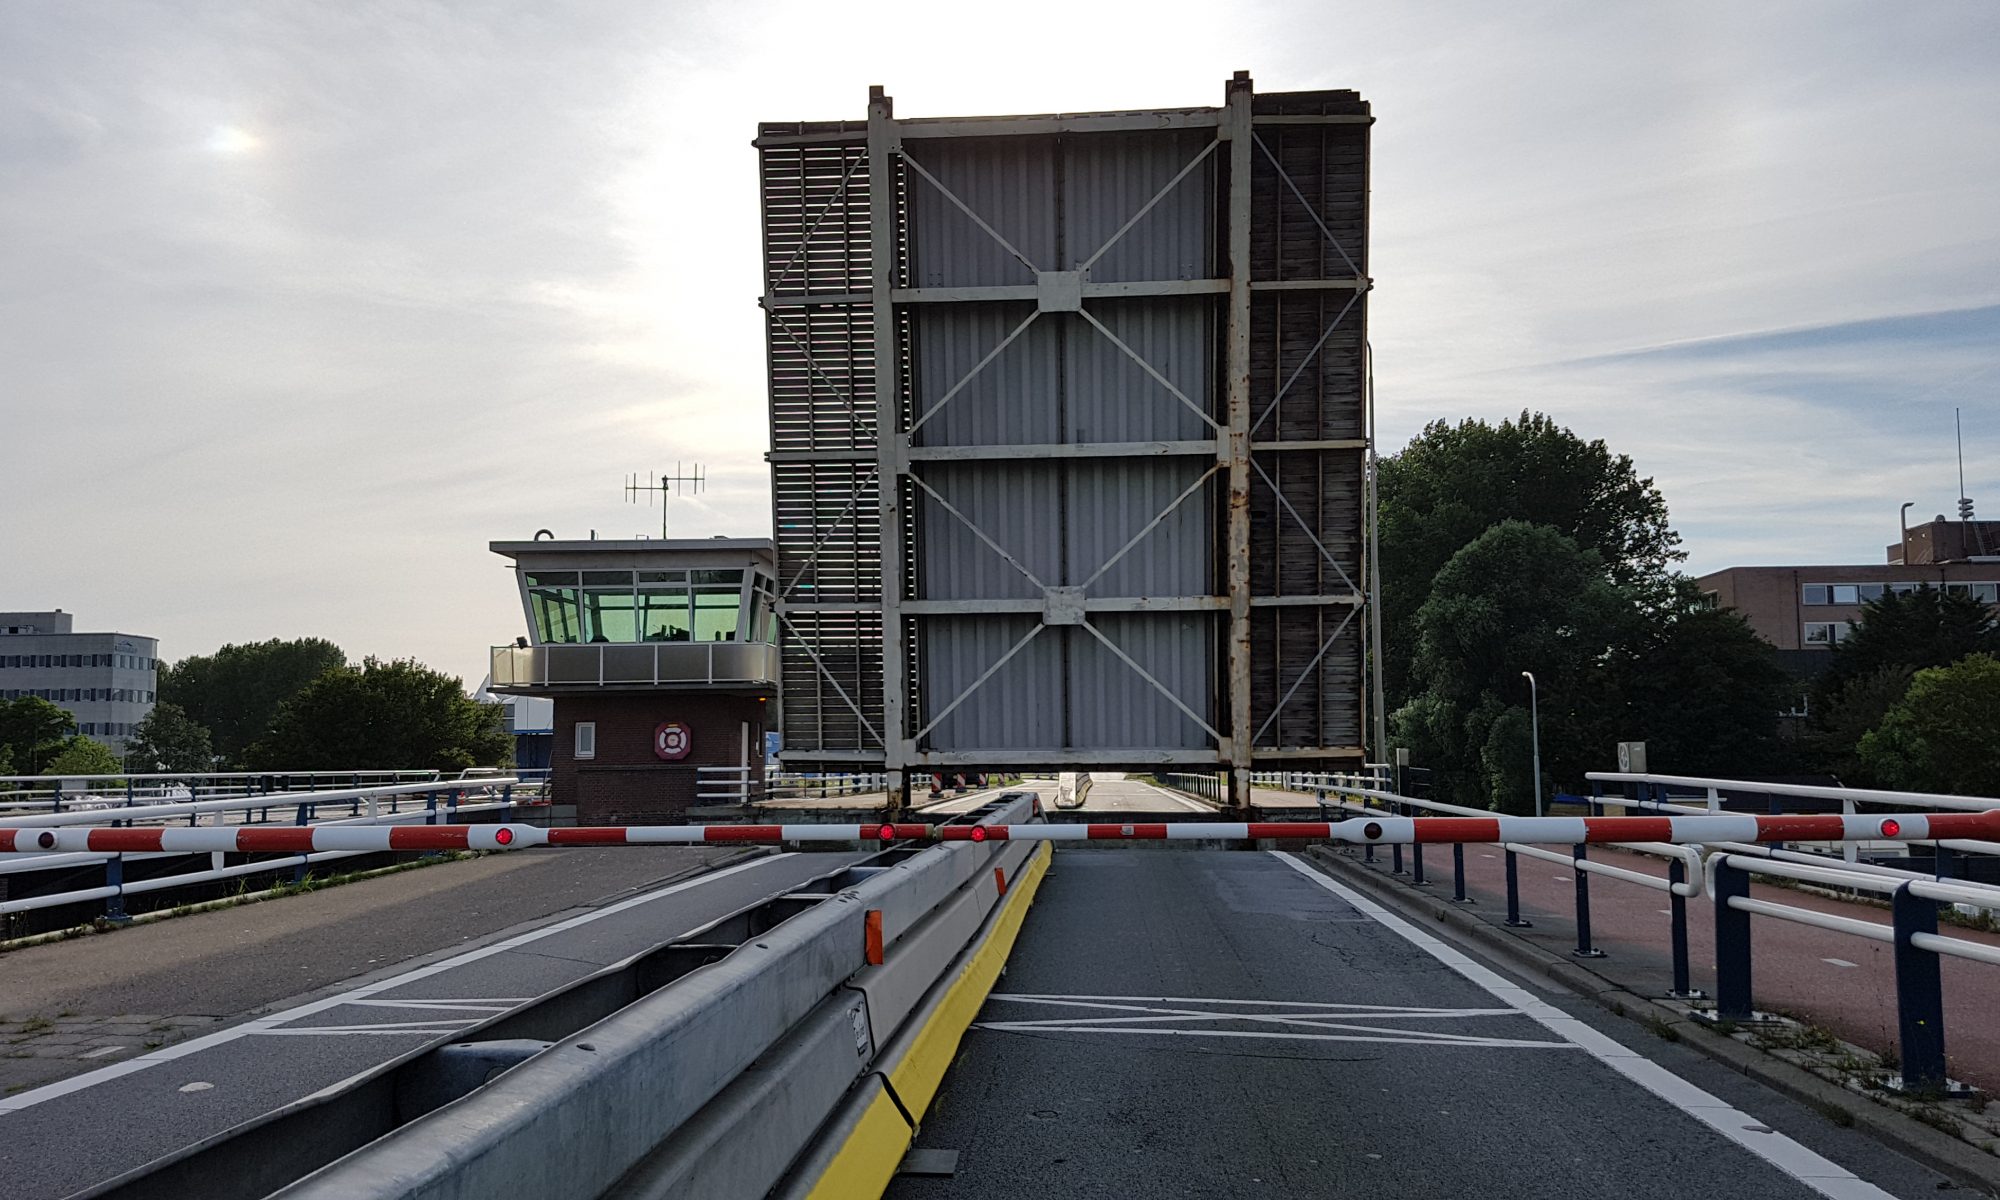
[169,740]
[385,715]
[1454,482]
[1840,720]
[1923,628]
[1940,736]
[82,756]
[1702,691]
[236,692]
[33,731]
[1518,597]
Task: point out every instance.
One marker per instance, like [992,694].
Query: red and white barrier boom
[1708,827]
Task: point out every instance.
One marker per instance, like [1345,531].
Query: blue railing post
[1458,895]
[1941,860]
[1514,893]
[299,868]
[1732,944]
[114,877]
[58,807]
[1580,853]
[430,808]
[507,798]
[1919,993]
[1677,875]
[1417,863]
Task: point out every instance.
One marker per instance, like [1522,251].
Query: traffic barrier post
[1732,943]
[1676,876]
[1514,893]
[114,877]
[1584,949]
[1458,895]
[1919,993]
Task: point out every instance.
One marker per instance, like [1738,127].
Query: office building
[105,680]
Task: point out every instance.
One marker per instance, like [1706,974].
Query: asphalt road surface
[65,1136]
[1234,1023]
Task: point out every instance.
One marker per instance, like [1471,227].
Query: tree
[1454,482]
[1923,628]
[236,692]
[1519,597]
[169,740]
[1703,691]
[1939,736]
[82,756]
[33,731]
[1837,724]
[383,715]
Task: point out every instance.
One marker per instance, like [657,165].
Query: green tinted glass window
[715,611]
[611,616]
[663,613]
[558,617]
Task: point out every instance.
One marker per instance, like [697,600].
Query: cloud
[302,304]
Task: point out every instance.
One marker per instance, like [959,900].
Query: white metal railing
[430,802]
[57,793]
[598,664]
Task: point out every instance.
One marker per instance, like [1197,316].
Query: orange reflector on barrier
[873,924]
[1000,879]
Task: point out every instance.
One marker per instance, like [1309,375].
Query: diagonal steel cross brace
[805,643]
[1287,697]
[1310,536]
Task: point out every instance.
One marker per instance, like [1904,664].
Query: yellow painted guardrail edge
[867,1160]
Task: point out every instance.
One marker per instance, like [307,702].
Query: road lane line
[1183,801]
[1839,962]
[1821,1174]
[90,1079]
[1412,1039]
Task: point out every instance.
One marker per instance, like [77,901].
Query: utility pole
[1535,725]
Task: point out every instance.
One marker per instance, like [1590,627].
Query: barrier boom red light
[1383,830]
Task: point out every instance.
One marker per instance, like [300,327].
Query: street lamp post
[1535,726]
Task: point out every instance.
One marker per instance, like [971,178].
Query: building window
[1825,633]
[1816,593]
[1846,593]
[586,739]
[1988,593]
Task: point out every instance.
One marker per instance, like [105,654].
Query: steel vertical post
[1458,895]
[114,877]
[1236,126]
[891,448]
[1580,853]
[1677,904]
[1732,945]
[1514,893]
[1919,993]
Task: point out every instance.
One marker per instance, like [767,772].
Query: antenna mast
[662,484]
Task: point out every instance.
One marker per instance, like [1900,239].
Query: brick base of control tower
[627,782]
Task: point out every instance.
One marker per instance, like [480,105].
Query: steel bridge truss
[959,544]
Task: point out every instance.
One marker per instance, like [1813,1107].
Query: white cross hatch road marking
[1192,1017]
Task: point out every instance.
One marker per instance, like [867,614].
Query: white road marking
[1183,801]
[1410,1040]
[90,1079]
[350,1030]
[196,1087]
[1150,1016]
[101,1051]
[444,1005]
[1821,1174]
[1839,962]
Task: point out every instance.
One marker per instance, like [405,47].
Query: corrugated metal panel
[1010,183]
[1108,178]
[1112,708]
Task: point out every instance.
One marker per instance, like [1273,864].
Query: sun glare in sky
[233,140]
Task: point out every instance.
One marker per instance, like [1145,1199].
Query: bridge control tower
[661,658]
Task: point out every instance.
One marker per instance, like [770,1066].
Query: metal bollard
[1919,994]
[1579,853]
[299,868]
[1684,988]
[114,877]
[1732,945]
[1941,860]
[1514,893]
[1417,864]
[1458,895]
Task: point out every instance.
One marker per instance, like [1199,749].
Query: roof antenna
[662,485]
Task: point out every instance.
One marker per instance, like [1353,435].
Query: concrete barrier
[717,1080]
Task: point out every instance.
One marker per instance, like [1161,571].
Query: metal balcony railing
[654,664]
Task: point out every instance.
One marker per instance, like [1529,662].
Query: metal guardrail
[654,664]
[707,1066]
[1722,870]
[429,802]
[23,793]
[738,785]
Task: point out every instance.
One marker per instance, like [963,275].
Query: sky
[302,304]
